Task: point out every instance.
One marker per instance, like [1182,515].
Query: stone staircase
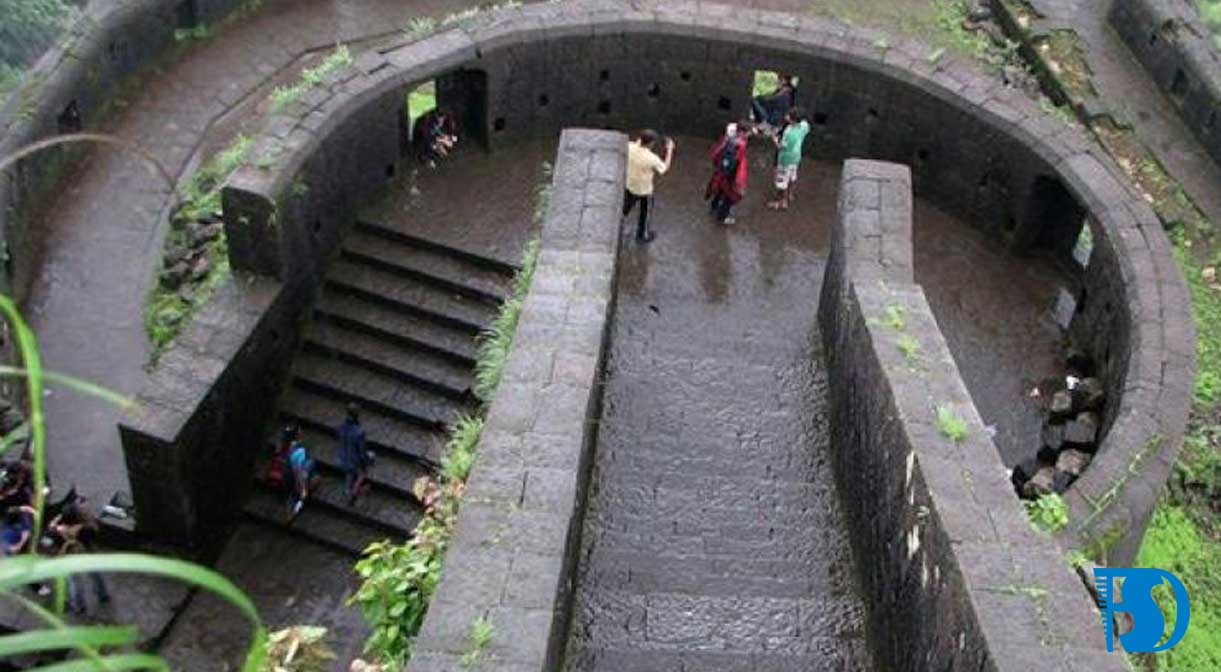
[393,330]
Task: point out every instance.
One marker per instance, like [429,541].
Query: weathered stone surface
[1053,435]
[893,467]
[1073,461]
[1089,395]
[514,551]
[1042,483]
[1082,430]
[1061,403]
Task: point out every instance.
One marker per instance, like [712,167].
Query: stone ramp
[713,539]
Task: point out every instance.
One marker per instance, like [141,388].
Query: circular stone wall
[976,148]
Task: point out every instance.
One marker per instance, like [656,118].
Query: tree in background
[27,27]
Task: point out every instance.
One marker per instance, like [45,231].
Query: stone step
[721,544]
[405,329]
[386,357]
[379,247]
[317,523]
[410,296]
[836,655]
[391,471]
[643,572]
[385,434]
[424,244]
[346,382]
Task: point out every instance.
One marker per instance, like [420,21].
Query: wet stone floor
[713,539]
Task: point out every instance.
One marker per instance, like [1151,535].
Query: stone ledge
[513,555]
[953,567]
[190,443]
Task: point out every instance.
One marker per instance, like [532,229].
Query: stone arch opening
[464,94]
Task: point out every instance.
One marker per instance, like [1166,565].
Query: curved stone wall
[66,91]
[935,537]
[1174,45]
[976,148]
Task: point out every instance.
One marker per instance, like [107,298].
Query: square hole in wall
[543,100]
[1178,88]
[724,104]
[685,76]
[604,107]
[604,75]
[499,124]
[654,91]
[820,118]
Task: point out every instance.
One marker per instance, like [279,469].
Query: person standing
[728,183]
[642,165]
[354,458]
[788,157]
[304,473]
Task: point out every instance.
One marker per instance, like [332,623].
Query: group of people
[786,130]
[73,528]
[295,470]
[434,134]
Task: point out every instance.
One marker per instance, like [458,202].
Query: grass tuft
[950,424]
[1048,513]
[283,96]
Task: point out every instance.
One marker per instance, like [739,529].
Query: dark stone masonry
[980,150]
[514,550]
[1177,49]
[190,445]
[954,574]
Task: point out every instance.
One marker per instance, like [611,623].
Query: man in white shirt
[642,165]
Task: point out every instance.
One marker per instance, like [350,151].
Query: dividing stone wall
[68,90]
[1174,45]
[514,552]
[975,147]
[191,443]
[954,574]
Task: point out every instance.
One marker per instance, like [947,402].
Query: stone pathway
[104,236]
[713,539]
[1125,85]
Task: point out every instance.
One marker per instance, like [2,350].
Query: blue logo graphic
[1149,622]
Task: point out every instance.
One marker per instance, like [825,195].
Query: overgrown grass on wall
[169,307]
[1210,11]
[398,580]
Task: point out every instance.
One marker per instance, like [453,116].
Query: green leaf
[115,663]
[67,638]
[82,386]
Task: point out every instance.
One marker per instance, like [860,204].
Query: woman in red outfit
[728,183]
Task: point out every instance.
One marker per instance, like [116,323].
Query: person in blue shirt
[354,458]
[304,473]
[18,526]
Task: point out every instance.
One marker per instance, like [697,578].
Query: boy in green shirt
[789,157]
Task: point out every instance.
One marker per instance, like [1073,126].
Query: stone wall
[1174,45]
[514,552]
[953,571]
[202,417]
[67,90]
[975,147]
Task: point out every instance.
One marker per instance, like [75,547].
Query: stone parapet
[514,551]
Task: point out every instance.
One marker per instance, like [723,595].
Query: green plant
[1048,513]
[420,101]
[421,26]
[97,647]
[481,634]
[1175,542]
[1076,559]
[895,317]
[460,451]
[282,96]
[909,346]
[200,32]
[949,17]
[397,581]
[950,424]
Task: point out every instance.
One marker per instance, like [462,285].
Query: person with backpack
[729,166]
[302,473]
[768,110]
[642,165]
[788,157]
[354,457]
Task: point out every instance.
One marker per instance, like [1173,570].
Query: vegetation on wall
[398,580]
[283,96]
[196,255]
